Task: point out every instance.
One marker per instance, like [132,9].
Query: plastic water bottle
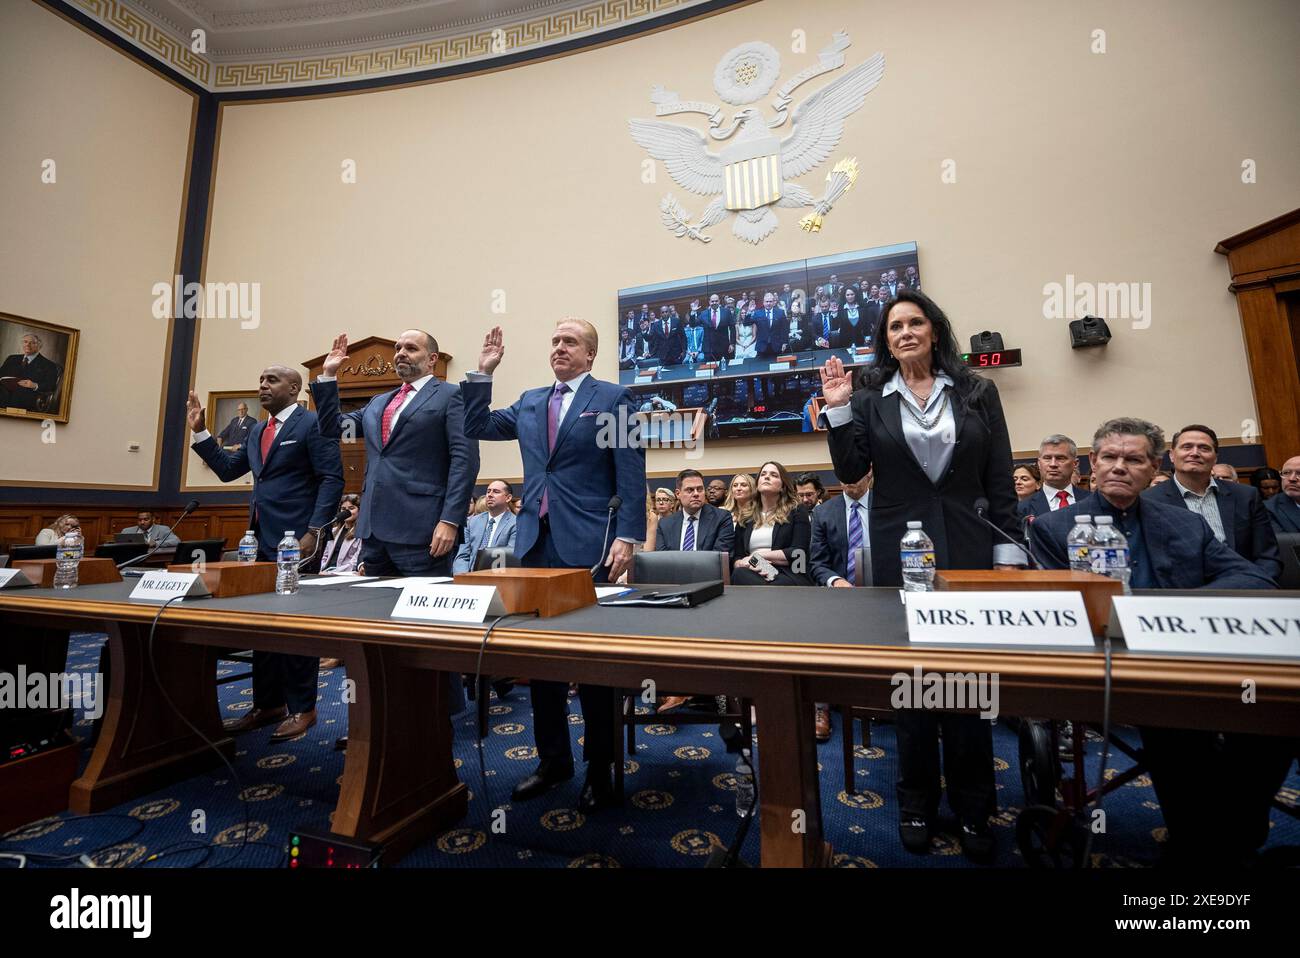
[1109,551]
[918,559]
[1077,544]
[248,547]
[67,556]
[744,786]
[288,552]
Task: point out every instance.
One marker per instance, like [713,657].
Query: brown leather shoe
[254,718]
[295,725]
[823,724]
[671,702]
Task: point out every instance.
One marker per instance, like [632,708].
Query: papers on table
[605,591]
[403,583]
[337,579]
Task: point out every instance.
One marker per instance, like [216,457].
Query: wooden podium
[1097,590]
[549,591]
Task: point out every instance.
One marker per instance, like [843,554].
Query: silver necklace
[927,423]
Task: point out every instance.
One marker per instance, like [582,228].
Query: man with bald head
[420,468]
[297,482]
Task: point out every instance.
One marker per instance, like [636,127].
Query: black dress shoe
[597,791]
[914,833]
[502,688]
[541,782]
[977,843]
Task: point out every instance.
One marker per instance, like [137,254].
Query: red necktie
[268,436]
[1062,499]
[391,410]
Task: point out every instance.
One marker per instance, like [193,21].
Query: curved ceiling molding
[280,44]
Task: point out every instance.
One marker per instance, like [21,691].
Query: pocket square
[288,442]
[589,412]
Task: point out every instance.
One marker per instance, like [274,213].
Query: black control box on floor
[313,849]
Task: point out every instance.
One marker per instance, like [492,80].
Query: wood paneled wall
[20,523]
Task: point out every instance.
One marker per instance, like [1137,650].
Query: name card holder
[862,354]
[448,603]
[160,586]
[225,579]
[702,373]
[14,579]
[1209,625]
[998,618]
[547,591]
[647,375]
[780,367]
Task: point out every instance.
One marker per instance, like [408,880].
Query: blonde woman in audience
[52,535]
[651,522]
[665,502]
[740,498]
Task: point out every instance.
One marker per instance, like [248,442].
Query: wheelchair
[1052,830]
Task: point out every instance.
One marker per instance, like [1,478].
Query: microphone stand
[980,506]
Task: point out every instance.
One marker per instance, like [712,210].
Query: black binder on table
[668,596]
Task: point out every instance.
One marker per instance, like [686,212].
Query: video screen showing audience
[746,345]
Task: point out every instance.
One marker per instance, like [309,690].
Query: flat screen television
[746,345]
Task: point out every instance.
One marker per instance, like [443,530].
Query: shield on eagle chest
[752,173]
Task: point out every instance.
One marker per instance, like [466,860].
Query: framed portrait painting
[38,360]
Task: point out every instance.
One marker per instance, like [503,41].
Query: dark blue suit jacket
[715,532]
[1245,523]
[297,488]
[426,472]
[829,553]
[765,321]
[580,475]
[1284,513]
[1037,504]
[1183,551]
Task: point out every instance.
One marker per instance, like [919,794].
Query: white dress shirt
[415,388]
[282,416]
[1052,493]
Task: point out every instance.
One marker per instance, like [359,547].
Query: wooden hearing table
[785,648]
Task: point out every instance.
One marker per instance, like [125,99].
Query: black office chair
[675,568]
[497,557]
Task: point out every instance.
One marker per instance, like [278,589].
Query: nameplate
[160,586]
[998,618]
[13,579]
[779,367]
[704,374]
[448,603]
[1223,625]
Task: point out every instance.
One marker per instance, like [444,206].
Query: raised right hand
[338,355]
[837,387]
[194,413]
[493,349]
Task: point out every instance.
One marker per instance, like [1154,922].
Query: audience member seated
[840,528]
[777,534]
[1160,476]
[1028,480]
[59,528]
[1284,508]
[492,528]
[651,521]
[716,493]
[1234,512]
[343,550]
[741,498]
[153,532]
[1223,471]
[1214,790]
[1058,457]
[1268,482]
[808,487]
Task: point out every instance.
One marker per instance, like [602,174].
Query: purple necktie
[855,541]
[552,429]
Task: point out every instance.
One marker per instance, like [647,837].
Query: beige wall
[85,251]
[1122,167]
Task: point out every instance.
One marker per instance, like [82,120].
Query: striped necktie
[688,544]
[855,541]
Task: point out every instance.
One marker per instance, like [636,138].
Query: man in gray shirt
[153,532]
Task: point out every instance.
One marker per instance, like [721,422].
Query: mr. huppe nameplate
[448,603]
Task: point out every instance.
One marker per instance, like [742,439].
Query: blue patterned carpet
[680,802]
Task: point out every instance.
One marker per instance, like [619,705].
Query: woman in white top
[778,531]
[60,526]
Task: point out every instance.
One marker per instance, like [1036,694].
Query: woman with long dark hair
[936,437]
[777,535]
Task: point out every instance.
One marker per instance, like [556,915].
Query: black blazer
[1245,522]
[793,537]
[902,492]
[715,532]
[1037,504]
[1284,512]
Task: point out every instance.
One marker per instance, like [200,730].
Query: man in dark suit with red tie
[1058,456]
[297,482]
[719,330]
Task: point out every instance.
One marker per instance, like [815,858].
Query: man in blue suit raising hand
[574,464]
[298,479]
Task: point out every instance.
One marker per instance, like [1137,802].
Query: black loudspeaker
[986,342]
[1089,331]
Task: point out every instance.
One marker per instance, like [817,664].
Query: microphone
[981,507]
[190,507]
[615,503]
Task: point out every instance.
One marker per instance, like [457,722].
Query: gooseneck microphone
[190,507]
[981,507]
[615,503]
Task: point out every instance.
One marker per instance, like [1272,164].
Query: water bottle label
[1106,560]
[290,555]
[248,552]
[1080,555]
[917,559]
[69,554]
